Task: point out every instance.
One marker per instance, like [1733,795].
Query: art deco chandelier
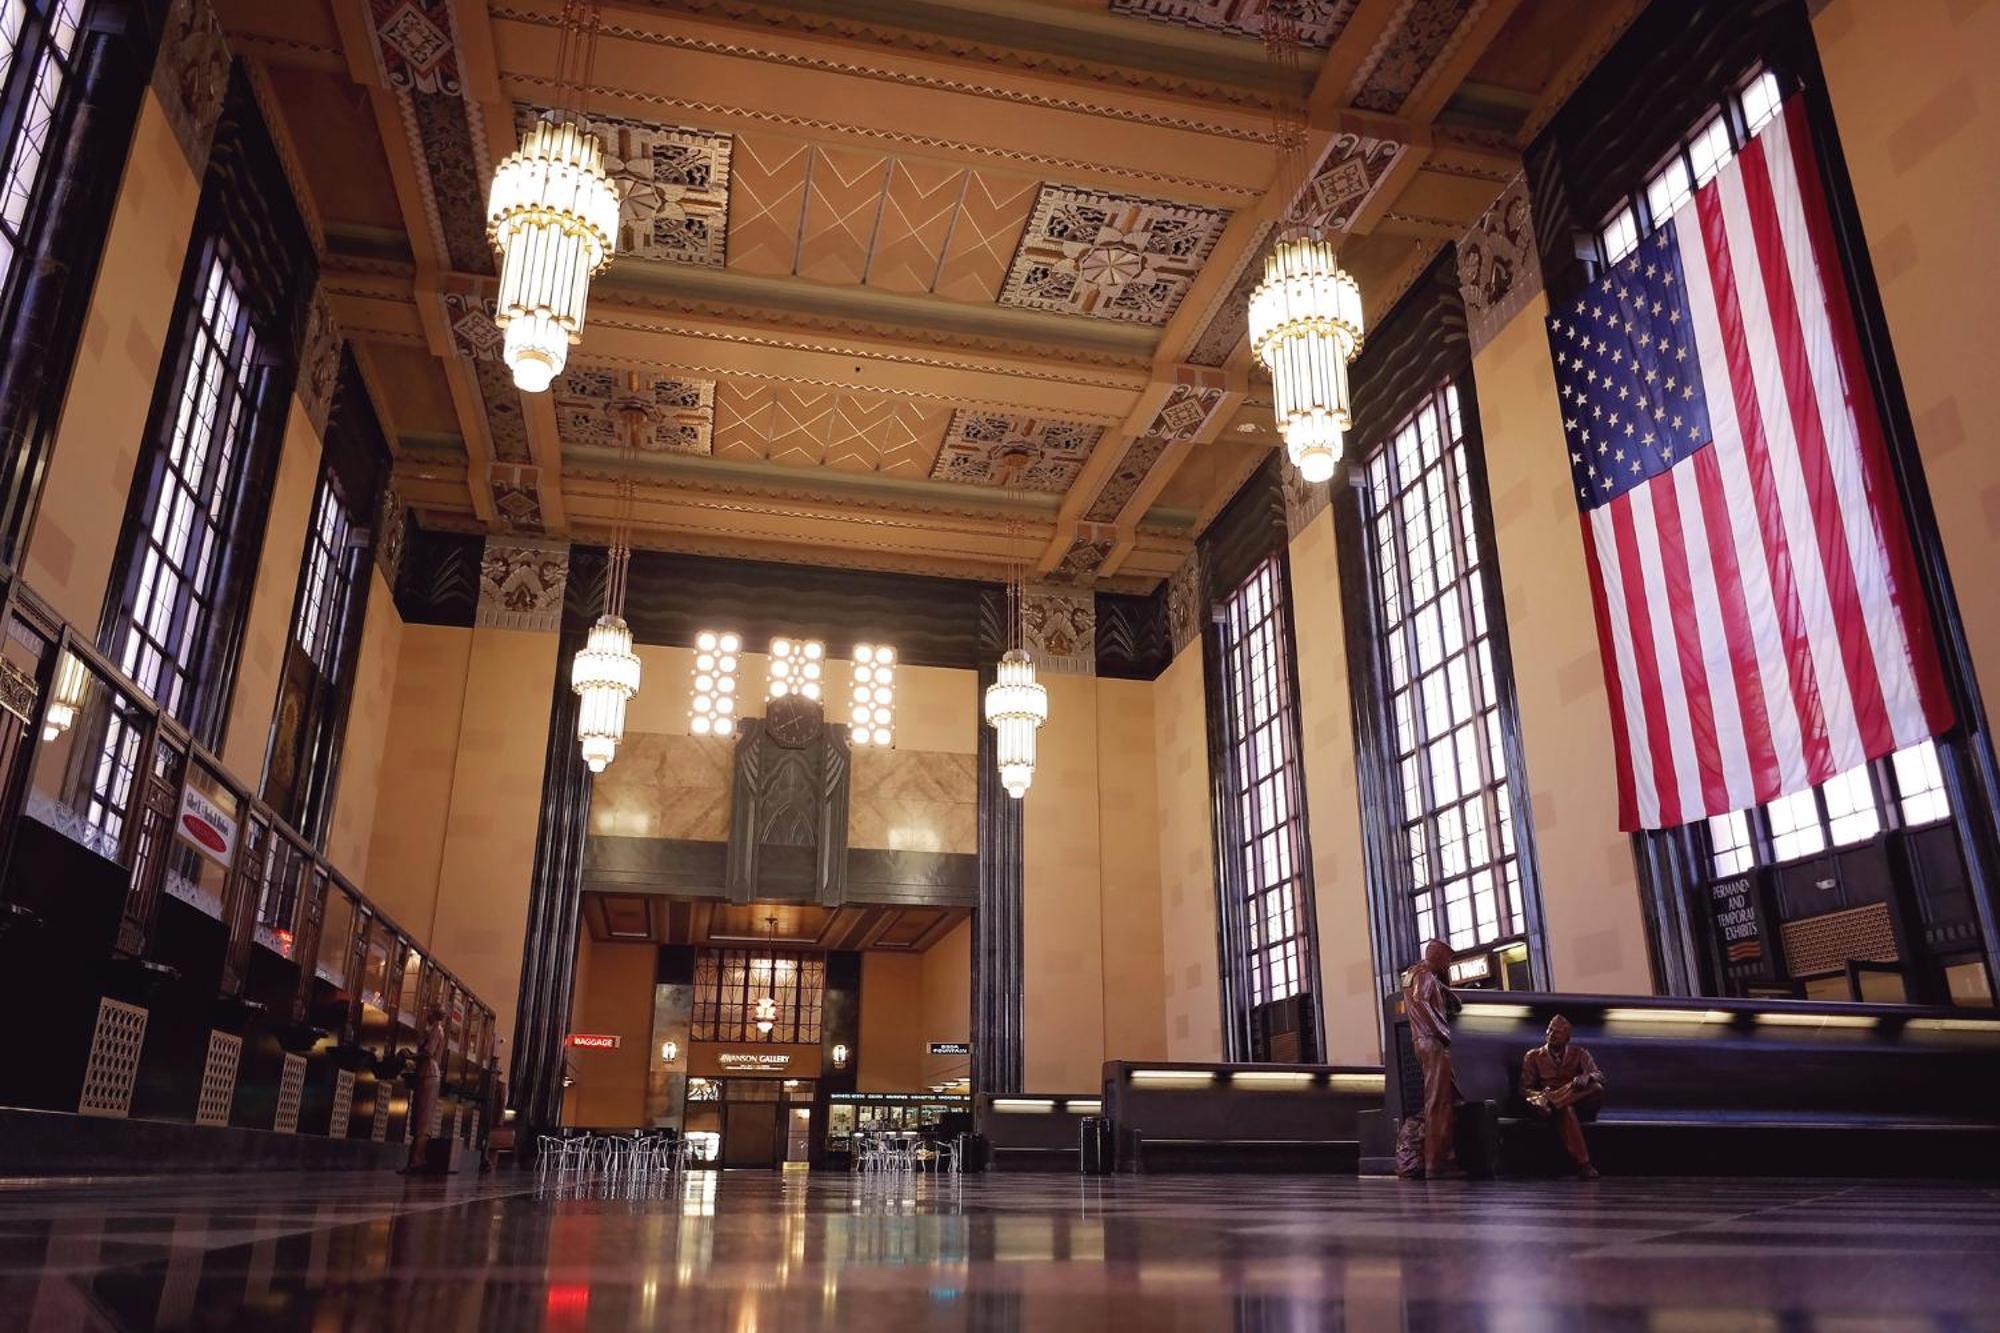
[1305,316]
[552,216]
[605,671]
[1016,704]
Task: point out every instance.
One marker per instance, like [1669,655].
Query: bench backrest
[1239,1102]
[1701,1059]
[1041,1121]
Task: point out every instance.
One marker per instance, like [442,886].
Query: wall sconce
[670,1051]
[840,1055]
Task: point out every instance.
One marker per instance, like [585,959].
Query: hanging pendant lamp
[1305,316]
[605,672]
[1016,704]
[552,217]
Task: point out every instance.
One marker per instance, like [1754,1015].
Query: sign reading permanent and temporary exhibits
[951,1048]
[596,1041]
[752,1061]
[1739,919]
[205,826]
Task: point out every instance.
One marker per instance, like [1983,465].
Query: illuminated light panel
[797,666]
[1683,1016]
[871,708]
[1498,1012]
[1785,1020]
[1187,1078]
[1024,1105]
[712,700]
[1084,1106]
[1272,1078]
[1357,1082]
[1958,1024]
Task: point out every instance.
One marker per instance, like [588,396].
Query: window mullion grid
[1431,889]
[1485,711]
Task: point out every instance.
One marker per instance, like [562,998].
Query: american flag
[1758,609]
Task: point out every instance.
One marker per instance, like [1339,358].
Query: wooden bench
[1737,1087]
[1175,1116]
[1034,1131]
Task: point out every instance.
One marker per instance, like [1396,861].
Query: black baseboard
[1035,1159]
[52,1143]
[1332,1157]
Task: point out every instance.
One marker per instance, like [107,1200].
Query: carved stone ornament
[1499,268]
[391,530]
[191,77]
[319,360]
[521,584]
[1110,256]
[1061,630]
[788,808]
[1303,499]
[1187,609]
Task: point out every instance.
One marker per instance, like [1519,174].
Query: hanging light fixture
[767,1008]
[605,672]
[66,696]
[1305,316]
[1016,704]
[552,216]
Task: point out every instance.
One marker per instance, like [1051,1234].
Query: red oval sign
[204,833]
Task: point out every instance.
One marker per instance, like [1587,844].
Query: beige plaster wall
[1592,919]
[365,745]
[1919,118]
[480,920]
[1128,871]
[1333,803]
[75,538]
[1187,979]
[947,1003]
[267,625]
[1062,913]
[414,789]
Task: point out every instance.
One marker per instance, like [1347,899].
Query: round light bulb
[729,643]
[705,641]
[700,725]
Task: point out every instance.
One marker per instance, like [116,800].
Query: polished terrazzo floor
[758,1252]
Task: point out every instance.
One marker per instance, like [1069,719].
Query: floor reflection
[750,1253]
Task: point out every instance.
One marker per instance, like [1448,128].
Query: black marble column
[996,925]
[555,898]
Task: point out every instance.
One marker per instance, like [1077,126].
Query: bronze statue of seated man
[1562,1084]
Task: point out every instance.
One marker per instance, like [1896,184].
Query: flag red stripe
[1770,512]
[1871,713]
[1621,740]
[1734,613]
[1639,614]
[1686,612]
[1911,603]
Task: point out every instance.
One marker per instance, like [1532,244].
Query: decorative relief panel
[1061,630]
[521,584]
[391,530]
[191,77]
[1303,499]
[1087,553]
[474,335]
[517,496]
[680,413]
[414,45]
[1228,322]
[672,183]
[1140,458]
[1421,34]
[803,426]
[291,1091]
[218,1078]
[319,360]
[113,1070]
[1347,176]
[1499,268]
[976,443]
[1187,610]
[1111,256]
[338,1122]
[1320,21]
[503,412]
